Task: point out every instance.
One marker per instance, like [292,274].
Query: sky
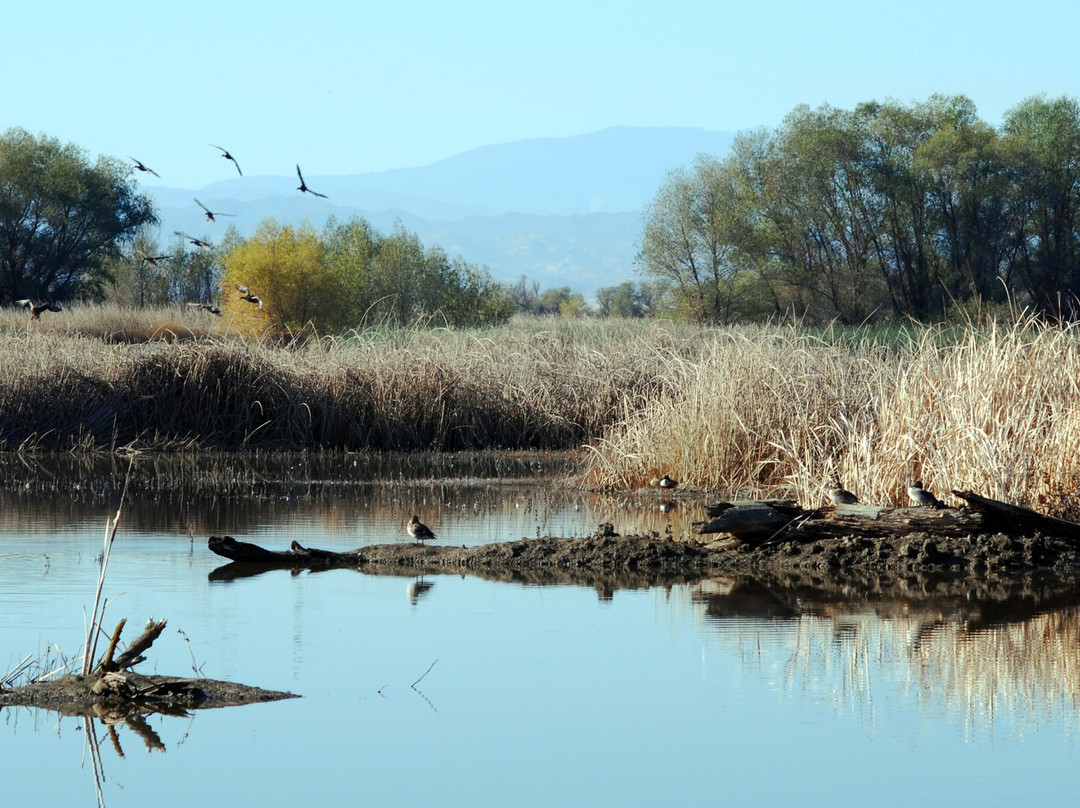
[354,86]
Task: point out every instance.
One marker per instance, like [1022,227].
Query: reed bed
[538,385]
[744,411]
[782,412]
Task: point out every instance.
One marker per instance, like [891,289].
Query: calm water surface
[463,691]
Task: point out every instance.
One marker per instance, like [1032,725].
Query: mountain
[562,211]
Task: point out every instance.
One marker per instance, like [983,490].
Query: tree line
[883,211]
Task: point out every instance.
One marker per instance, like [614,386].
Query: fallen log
[760,522]
[1005,518]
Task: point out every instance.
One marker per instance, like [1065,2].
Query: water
[465,691]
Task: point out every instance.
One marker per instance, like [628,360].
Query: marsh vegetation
[756,409]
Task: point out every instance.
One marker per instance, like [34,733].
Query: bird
[151,260]
[210,214]
[227,156]
[36,309]
[920,496]
[143,167]
[210,307]
[664,483]
[245,294]
[202,245]
[302,187]
[419,531]
[841,496]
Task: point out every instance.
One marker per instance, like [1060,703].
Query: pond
[468,691]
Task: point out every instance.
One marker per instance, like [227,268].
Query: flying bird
[36,309]
[419,531]
[227,156]
[302,187]
[152,260]
[142,167]
[202,245]
[245,294]
[210,307]
[210,214]
[920,496]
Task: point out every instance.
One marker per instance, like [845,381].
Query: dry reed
[756,410]
[774,411]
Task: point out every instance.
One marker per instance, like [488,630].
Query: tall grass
[531,385]
[756,410]
[991,408]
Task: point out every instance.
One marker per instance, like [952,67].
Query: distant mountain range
[561,211]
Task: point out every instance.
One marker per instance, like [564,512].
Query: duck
[302,187]
[419,531]
[210,215]
[210,307]
[143,167]
[202,245]
[838,495]
[920,496]
[245,294]
[227,156]
[36,309]
[666,483]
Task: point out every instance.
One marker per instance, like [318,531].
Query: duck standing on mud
[419,531]
[920,496]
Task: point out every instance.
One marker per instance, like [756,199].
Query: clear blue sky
[353,86]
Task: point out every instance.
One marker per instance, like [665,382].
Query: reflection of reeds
[1026,670]
[1013,675]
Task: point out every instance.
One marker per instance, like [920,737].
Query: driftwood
[766,521]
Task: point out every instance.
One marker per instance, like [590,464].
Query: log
[777,520]
[1005,518]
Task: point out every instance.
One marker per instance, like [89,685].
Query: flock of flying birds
[36,309]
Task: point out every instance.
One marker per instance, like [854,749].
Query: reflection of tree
[977,658]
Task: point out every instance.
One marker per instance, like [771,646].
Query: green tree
[689,240]
[1046,135]
[629,300]
[62,218]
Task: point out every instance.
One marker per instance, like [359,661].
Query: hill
[563,211]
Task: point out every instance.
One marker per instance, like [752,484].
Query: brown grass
[781,412]
[764,410]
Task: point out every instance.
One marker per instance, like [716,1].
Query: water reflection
[980,652]
[469,498]
[540,661]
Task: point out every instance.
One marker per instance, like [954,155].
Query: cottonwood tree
[61,217]
[1046,134]
[689,242]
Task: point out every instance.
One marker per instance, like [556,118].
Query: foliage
[887,210]
[61,217]
[348,275]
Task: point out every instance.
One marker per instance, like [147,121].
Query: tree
[1046,134]
[628,299]
[61,218]
[283,267]
[689,240]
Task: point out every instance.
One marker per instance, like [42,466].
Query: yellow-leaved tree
[278,281]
